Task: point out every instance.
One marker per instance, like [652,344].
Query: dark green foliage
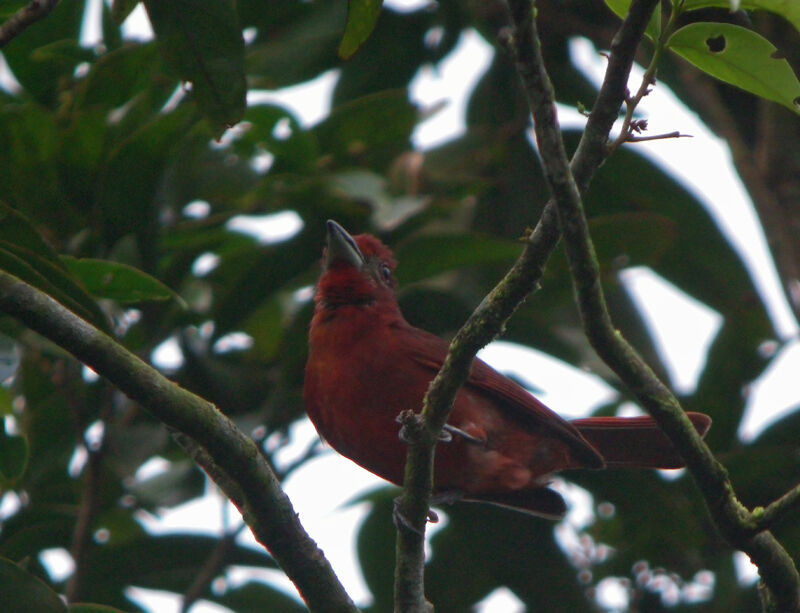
[99,160]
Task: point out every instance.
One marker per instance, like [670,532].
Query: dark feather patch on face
[371,247]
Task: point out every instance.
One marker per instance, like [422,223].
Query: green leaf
[26,255]
[253,597]
[362,15]
[116,281]
[169,562]
[621,8]
[425,256]
[266,329]
[202,42]
[5,395]
[295,41]
[296,152]
[128,183]
[379,123]
[13,455]
[43,77]
[18,230]
[21,591]
[740,57]
[788,9]
[9,7]
[83,607]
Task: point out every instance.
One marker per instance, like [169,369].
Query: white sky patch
[233,341]
[319,489]
[565,389]
[91,28]
[309,102]
[746,571]
[611,594]
[137,25]
[167,602]
[8,82]
[197,209]
[59,563]
[267,229]
[407,6]
[501,599]
[168,355]
[151,468]
[683,338]
[10,504]
[448,85]
[205,263]
[770,397]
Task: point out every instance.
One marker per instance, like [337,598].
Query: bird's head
[356,270]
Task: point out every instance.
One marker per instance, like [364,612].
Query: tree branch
[765,517]
[27,15]
[229,456]
[776,568]
[486,322]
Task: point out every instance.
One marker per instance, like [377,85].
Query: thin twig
[211,568]
[82,534]
[91,491]
[24,17]
[641,139]
[766,517]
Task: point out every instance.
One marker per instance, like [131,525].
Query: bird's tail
[635,441]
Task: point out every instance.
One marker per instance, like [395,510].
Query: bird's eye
[386,273]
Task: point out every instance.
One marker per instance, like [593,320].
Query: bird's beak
[342,247]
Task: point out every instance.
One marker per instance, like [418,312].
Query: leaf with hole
[740,57]
[788,9]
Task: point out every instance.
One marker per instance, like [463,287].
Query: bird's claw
[409,421]
[401,520]
[449,431]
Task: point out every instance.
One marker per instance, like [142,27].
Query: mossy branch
[24,17]
[778,573]
[229,457]
[486,322]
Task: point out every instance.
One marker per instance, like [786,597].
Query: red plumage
[367,364]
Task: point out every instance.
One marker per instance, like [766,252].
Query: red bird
[366,364]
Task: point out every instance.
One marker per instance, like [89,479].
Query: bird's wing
[514,401]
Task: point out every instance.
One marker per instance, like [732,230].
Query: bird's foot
[400,520]
[448,432]
[410,425]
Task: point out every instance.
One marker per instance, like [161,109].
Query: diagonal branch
[776,567]
[487,320]
[27,15]
[229,456]
[765,517]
